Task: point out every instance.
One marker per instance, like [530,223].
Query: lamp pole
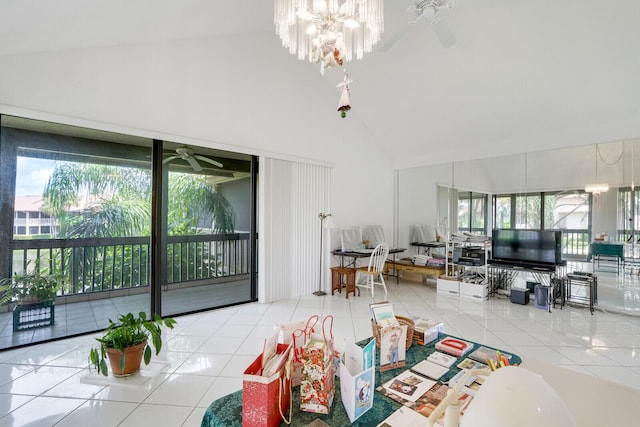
[322,217]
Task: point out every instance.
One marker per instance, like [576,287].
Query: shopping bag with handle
[317,385]
[266,388]
[297,333]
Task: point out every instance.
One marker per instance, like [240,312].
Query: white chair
[374,271]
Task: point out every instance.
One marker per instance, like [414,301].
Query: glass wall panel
[78,203]
[208,227]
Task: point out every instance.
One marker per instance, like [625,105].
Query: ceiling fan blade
[168,159]
[447,39]
[208,160]
[388,44]
[194,163]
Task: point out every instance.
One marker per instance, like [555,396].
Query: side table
[346,276]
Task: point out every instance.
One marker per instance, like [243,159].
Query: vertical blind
[293,194]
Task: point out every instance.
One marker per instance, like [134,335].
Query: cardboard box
[412,277]
[426,331]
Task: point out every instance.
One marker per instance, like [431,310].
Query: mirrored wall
[552,181]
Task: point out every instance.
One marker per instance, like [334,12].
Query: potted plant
[126,342]
[31,286]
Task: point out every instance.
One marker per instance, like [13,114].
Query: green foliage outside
[101,201]
[109,201]
[37,283]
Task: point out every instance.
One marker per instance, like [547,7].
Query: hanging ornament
[328,50]
[344,104]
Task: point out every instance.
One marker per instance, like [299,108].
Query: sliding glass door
[126,224]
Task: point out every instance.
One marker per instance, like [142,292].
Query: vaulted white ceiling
[524,75]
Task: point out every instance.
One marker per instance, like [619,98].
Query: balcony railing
[575,243]
[106,264]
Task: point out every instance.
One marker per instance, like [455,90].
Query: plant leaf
[147,355]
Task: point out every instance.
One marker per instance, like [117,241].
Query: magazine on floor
[408,386]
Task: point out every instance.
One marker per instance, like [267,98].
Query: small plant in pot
[31,286]
[126,342]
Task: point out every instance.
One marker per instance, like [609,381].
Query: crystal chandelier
[329,31]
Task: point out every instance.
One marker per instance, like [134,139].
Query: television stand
[503,274]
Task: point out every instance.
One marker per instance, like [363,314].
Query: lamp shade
[514,396]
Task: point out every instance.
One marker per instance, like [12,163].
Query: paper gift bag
[317,385]
[266,393]
[357,379]
[298,333]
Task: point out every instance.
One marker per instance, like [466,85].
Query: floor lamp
[322,217]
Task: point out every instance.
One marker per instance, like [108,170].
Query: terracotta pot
[133,358]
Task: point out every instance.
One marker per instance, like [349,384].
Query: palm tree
[193,202]
[91,200]
[100,201]
[109,201]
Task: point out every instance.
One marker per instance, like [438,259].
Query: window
[569,211]
[502,212]
[472,212]
[628,222]
[34,229]
[528,211]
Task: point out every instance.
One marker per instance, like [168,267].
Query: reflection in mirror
[537,189]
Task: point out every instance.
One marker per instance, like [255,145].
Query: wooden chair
[375,270]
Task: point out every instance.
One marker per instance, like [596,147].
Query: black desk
[428,246]
[352,257]
[227,410]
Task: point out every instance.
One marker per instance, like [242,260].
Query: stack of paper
[382,314]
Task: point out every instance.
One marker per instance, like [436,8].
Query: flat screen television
[527,246]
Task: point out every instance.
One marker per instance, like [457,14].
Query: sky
[32,175]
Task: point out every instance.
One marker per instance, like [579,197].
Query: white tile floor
[50,384]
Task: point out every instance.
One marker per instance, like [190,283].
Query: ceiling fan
[430,10]
[187,154]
